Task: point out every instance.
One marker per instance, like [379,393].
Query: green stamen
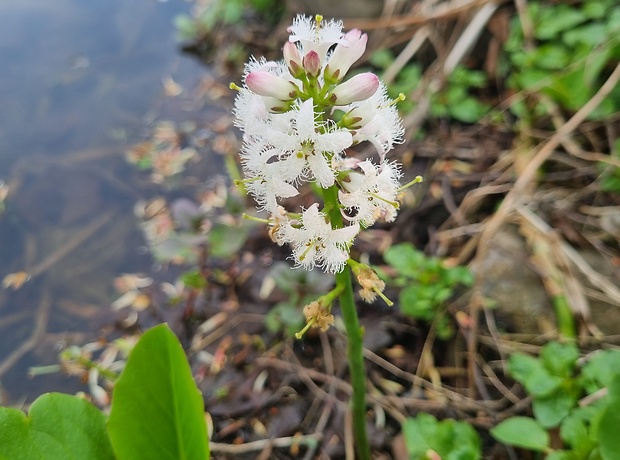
[300,334]
[417,180]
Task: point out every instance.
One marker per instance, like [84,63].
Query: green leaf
[600,370]
[382,58]
[550,411]
[419,433]
[412,304]
[589,34]
[533,375]
[551,21]
[551,56]
[560,358]
[226,240]
[562,455]
[157,411]
[193,279]
[574,432]
[405,258]
[469,110]
[607,433]
[58,426]
[452,440]
[522,432]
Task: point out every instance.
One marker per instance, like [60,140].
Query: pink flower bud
[312,64]
[293,59]
[345,55]
[358,88]
[271,85]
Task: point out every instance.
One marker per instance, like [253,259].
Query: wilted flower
[317,316]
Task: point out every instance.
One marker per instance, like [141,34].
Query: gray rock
[512,286]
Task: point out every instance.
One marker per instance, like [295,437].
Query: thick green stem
[354,338]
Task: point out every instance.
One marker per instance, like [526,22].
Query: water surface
[80,81]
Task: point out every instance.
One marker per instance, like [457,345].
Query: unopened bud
[293,59]
[345,55]
[312,64]
[271,85]
[358,88]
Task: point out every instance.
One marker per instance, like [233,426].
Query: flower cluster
[299,116]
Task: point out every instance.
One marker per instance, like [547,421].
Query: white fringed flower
[285,111]
[371,195]
[305,141]
[313,36]
[316,243]
[378,121]
[266,179]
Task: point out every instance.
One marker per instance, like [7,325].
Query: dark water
[80,81]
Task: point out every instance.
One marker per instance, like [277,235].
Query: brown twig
[237,449]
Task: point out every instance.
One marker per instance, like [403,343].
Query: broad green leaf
[609,441]
[522,432]
[58,426]
[157,411]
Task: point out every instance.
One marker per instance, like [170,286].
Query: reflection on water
[80,81]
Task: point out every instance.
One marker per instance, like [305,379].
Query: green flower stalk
[299,117]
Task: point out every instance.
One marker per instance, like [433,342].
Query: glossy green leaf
[58,426]
[157,411]
[522,432]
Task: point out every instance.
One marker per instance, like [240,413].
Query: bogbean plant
[157,412]
[299,117]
